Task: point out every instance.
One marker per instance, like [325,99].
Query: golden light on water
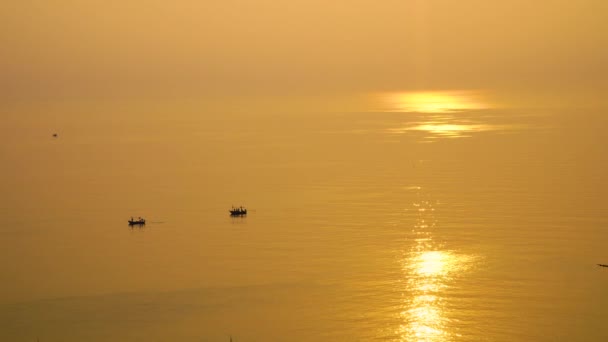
[433,101]
[446,128]
[441,114]
[424,315]
[431,263]
[429,270]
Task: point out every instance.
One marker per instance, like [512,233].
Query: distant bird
[603,265]
[55,135]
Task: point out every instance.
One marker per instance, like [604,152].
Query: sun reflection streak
[431,263]
[447,127]
[429,271]
[433,101]
[441,114]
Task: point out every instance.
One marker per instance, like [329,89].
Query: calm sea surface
[468,225]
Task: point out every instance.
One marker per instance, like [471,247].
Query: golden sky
[80,48]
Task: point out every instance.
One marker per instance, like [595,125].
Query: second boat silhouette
[240,211]
[139,221]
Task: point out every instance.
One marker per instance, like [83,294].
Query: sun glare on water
[440,114]
[430,271]
[424,313]
[433,101]
[432,263]
[446,130]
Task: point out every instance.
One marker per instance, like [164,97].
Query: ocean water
[472,224]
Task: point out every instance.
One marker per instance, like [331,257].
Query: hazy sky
[87,48]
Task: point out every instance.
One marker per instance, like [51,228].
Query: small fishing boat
[240,211]
[139,221]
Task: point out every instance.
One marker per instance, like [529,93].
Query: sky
[79,49]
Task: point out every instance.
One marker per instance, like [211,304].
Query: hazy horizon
[94,49]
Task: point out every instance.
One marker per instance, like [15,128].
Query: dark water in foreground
[469,226]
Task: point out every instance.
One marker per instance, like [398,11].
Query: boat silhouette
[139,221]
[240,211]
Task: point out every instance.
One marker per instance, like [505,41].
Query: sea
[430,220]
